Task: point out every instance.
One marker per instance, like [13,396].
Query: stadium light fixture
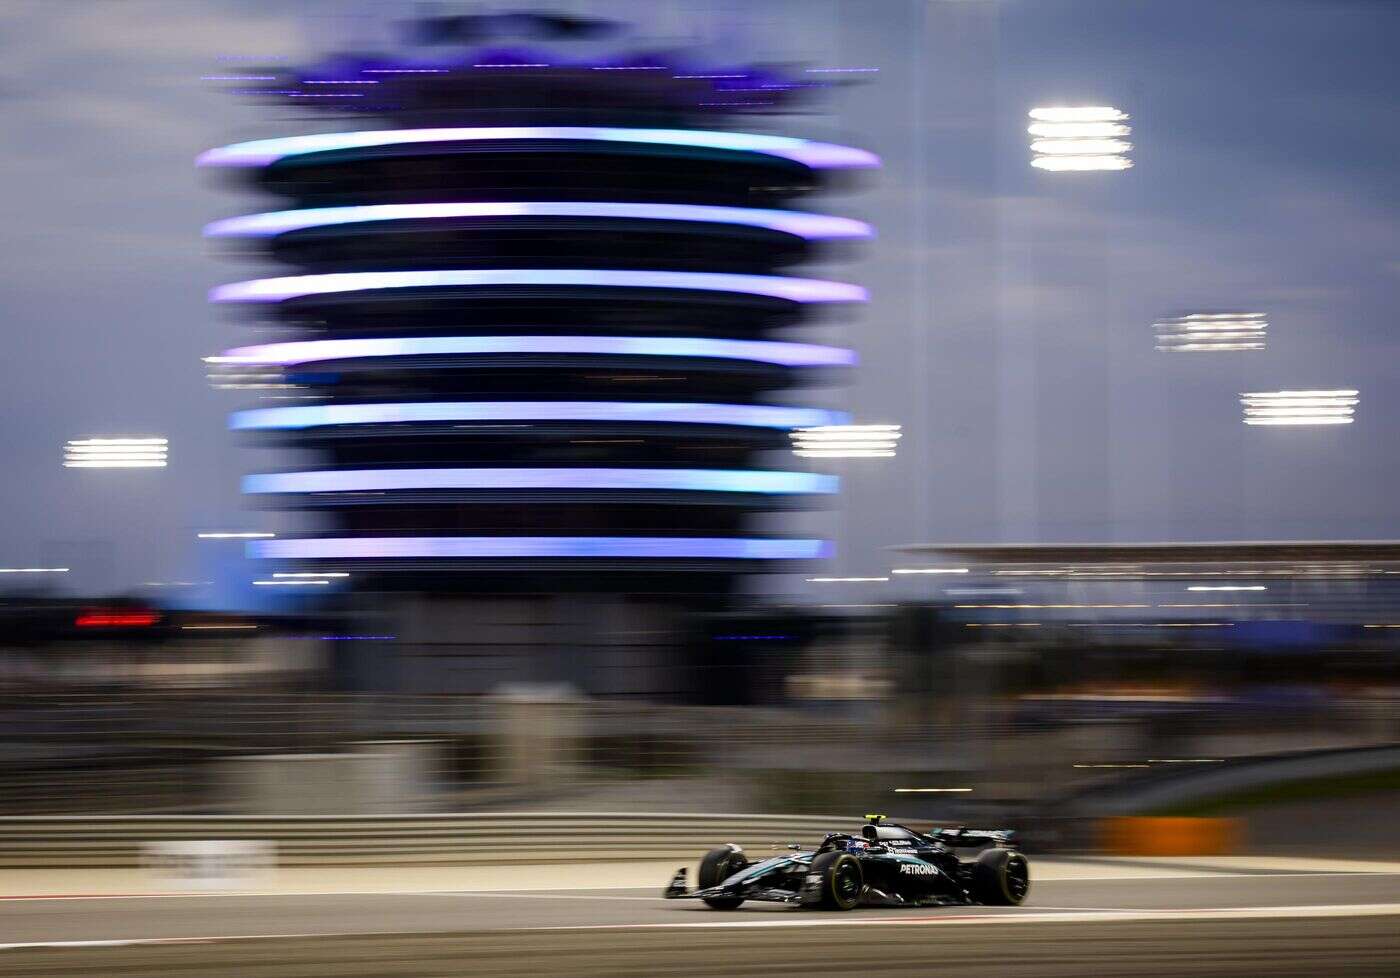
[1211,332]
[846,441]
[1310,407]
[115,453]
[1227,587]
[1079,138]
[1077,114]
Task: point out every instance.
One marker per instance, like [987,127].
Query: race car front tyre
[1001,878]
[717,866]
[842,880]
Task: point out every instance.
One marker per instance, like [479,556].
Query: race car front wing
[677,890]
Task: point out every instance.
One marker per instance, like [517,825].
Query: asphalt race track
[1244,923]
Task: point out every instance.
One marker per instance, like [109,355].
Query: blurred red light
[116,619]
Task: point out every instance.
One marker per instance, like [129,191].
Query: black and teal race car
[885,865]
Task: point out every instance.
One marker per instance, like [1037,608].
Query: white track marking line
[1035,908]
[1012,917]
[517,895]
[1264,874]
[1031,917]
[229,894]
[549,895]
[149,941]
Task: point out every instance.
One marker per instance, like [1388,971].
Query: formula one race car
[886,865]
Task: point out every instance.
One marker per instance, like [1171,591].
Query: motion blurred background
[706,407]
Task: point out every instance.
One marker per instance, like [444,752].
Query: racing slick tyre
[842,880]
[1001,878]
[717,866]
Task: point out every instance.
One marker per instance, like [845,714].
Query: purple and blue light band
[682,480]
[326,415]
[817,155]
[778,287]
[802,224]
[704,548]
[759,351]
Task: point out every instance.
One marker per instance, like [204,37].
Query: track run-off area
[1241,916]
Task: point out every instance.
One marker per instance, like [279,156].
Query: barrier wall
[121,841]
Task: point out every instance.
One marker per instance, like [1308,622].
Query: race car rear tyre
[1001,878]
[842,880]
[717,866]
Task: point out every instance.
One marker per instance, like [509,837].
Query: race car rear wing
[961,837]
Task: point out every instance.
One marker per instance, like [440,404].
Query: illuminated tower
[537,318]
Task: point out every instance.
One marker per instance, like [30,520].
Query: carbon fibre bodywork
[894,866]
